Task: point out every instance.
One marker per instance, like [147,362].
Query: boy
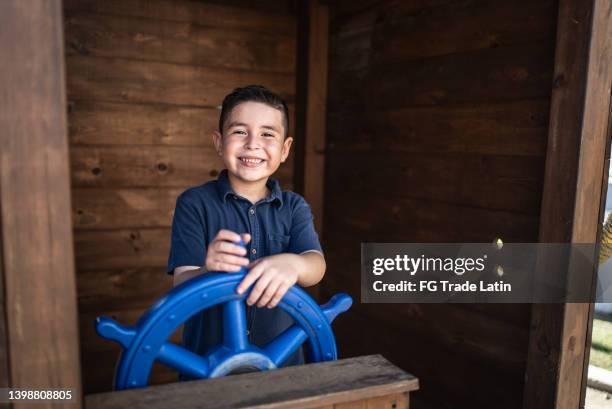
[244,202]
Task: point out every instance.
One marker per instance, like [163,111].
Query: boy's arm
[313,268]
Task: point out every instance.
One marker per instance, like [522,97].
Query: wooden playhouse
[415,121]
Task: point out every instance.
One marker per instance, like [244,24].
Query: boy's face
[253,144]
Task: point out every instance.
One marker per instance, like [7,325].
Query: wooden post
[37,250]
[312,87]
[575,172]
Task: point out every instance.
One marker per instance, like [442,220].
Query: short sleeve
[303,235]
[187,245]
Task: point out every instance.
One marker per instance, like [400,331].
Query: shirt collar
[225,189]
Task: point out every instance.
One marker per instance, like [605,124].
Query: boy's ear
[286,148]
[218,141]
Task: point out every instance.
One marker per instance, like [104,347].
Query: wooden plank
[37,256]
[515,128]
[311,141]
[409,34]
[417,217]
[493,182]
[112,123]
[146,39]
[592,175]
[496,74]
[143,166]
[114,249]
[574,172]
[200,13]
[365,13]
[149,166]
[5,371]
[122,208]
[128,288]
[304,386]
[116,80]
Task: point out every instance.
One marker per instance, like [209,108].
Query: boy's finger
[268,293]
[221,266]
[249,279]
[230,248]
[228,235]
[229,259]
[278,296]
[261,284]
[246,237]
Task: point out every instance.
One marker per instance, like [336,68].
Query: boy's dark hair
[255,93]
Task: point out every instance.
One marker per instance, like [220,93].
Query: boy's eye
[239,131]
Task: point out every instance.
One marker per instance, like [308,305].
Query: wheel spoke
[285,344]
[234,325]
[183,360]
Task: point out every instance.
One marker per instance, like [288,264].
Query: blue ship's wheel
[147,341]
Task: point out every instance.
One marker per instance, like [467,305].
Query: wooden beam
[312,84]
[305,386]
[36,230]
[575,172]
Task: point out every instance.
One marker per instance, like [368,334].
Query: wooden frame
[579,115]
[311,121]
[34,179]
[37,267]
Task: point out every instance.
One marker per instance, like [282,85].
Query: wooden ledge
[305,386]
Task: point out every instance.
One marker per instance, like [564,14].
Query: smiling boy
[245,202]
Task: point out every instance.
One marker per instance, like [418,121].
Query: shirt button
[254,251]
[252,211]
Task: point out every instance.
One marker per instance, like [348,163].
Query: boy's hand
[274,276]
[224,255]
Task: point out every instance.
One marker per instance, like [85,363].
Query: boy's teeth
[250,160]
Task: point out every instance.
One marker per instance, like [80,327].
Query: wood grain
[495,74]
[126,248]
[574,175]
[36,236]
[120,208]
[305,386]
[401,32]
[239,17]
[515,128]
[149,166]
[493,182]
[124,288]
[115,123]
[116,80]
[437,132]
[449,223]
[145,39]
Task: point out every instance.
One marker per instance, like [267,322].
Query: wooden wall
[437,130]
[144,80]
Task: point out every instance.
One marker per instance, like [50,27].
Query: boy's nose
[252,142]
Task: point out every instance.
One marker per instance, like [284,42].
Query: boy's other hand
[224,255]
[274,276]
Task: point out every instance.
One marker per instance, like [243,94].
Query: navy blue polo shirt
[279,223]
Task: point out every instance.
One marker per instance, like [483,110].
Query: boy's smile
[253,144]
